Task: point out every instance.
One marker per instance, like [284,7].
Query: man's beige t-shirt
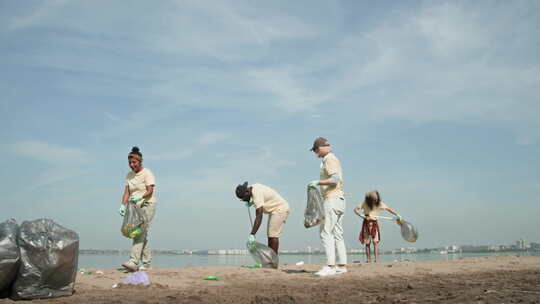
[330,165]
[372,213]
[137,183]
[268,198]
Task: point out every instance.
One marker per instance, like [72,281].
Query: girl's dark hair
[135,151]
[373,202]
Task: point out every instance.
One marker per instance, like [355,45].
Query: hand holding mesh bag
[408,231]
[314,214]
[134,224]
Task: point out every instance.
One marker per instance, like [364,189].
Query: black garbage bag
[314,213]
[9,255]
[49,256]
[263,255]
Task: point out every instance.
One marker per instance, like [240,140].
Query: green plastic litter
[255,266]
[211,278]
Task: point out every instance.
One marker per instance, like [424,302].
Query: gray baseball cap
[319,142]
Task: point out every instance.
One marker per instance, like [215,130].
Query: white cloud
[452,30]
[446,61]
[210,138]
[189,145]
[38,15]
[49,153]
[287,88]
[263,164]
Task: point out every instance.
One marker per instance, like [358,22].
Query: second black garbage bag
[49,258]
[9,255]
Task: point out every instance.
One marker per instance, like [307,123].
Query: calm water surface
[176,261]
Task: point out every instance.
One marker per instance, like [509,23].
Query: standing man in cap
[331,185]
[266,200]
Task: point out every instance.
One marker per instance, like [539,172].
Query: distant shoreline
[358,252]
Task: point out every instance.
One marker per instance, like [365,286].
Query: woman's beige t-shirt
[372,213]
[137,183]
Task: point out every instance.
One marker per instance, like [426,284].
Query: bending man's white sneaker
[326,271]
[340,270]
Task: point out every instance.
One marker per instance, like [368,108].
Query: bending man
[266,200]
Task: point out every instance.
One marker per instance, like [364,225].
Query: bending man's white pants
[332,231]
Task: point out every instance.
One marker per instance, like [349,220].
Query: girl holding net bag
[369,211]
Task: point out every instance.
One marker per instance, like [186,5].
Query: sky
[436,104]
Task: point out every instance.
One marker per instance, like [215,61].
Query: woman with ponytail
[139,189]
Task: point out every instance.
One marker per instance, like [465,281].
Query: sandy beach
[506,279]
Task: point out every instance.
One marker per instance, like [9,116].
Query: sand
[507,279]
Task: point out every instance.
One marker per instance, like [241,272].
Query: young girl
[371,207]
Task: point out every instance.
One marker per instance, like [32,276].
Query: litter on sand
[136,278]
[211,278]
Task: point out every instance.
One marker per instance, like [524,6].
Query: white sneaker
[144,268]
[130,267]
[341,270]
[326,271]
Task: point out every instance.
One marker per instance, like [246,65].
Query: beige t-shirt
[137,183]
[372,213]
[268,198]
[331,165]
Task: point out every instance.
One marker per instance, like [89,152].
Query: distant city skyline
[518,245]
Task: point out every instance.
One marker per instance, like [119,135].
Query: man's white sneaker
[326,271]
[341,270]
[144,268]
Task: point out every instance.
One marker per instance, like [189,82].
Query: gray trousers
[332,231]
[140,251]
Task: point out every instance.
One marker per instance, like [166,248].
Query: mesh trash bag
[134,224]
[408,232]
[263,255]
[9,255]
[49,257]
[314,214]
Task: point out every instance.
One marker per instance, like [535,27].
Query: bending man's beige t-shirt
[268,198]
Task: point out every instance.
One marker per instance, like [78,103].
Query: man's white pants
[332,231]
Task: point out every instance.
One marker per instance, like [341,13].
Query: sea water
[110,261]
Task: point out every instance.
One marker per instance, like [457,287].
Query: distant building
[472,248]
[521,244]
[454,249]
[226,252]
